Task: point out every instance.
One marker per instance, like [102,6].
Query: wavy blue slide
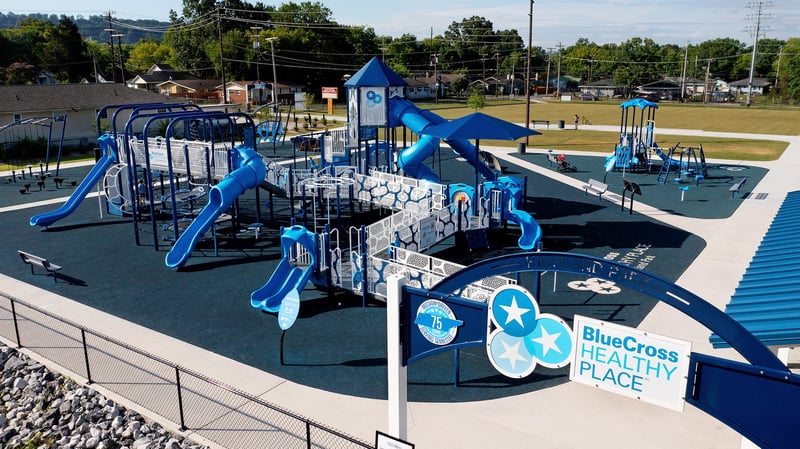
[110,157]
[412,159]
[288,280]
[530,229]
[250,172]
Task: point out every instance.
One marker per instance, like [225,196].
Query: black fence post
[308,435]
[86,357]
[180,397]
[16,325]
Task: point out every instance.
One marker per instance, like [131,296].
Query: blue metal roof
[375,73]
[767,300]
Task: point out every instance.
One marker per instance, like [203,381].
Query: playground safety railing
[199,154]
[438,269]
[190,400]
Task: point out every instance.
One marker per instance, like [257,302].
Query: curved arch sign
[757,400]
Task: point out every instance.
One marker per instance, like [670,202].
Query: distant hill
[94,27]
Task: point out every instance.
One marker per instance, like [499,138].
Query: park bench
[735,188]
[540,122]
[596,187]
[32,260]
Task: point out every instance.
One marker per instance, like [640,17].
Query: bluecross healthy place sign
[623,360]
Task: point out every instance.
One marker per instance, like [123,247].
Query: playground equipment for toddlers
[638,150]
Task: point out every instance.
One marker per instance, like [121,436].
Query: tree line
[209,38]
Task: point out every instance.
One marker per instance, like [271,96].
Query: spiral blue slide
[109,147]
[250,172]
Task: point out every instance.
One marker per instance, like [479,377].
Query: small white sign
[623,360]
[384,441]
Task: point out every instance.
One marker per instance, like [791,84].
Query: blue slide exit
[287,279]
[412,159]
[530,229]
[110,157]
[250,172]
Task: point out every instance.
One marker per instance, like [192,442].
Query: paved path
[570,415]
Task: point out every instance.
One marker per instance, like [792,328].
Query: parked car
[588,96]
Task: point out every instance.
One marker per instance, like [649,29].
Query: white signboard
[627,361]
[330,92]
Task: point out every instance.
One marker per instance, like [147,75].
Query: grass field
[735,119]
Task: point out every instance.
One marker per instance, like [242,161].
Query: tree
[476,99]
[639,62]
[148,52]
[789,71]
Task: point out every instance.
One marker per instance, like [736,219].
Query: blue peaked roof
[375,74]
[767,300]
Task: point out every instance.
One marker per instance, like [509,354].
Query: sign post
[330,93]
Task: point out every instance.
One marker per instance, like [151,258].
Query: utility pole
[221,57]
[758,6]
[274,73]
[705,89]
[528,74]
[111,30]
[558,78]
[257,48]
[683,72]
[121,60]
[547,83]
[435,63]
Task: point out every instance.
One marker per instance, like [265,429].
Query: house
[157,74]
[663,89]
[80,103]
[417,89]
[424,85]
[194,90]
[260,92]
[761,86]
[604,88]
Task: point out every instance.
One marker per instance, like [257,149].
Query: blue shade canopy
[641,103]
[375,74]
[479,126]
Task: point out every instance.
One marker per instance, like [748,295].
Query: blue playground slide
[412,159]
[287,279]
[249,174]
[110,157]
[531,231]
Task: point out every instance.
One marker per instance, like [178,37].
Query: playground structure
[180,171]
[637,149]
[33,128]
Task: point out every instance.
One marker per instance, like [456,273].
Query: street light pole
[528,74]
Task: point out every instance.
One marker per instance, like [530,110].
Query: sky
[555,22]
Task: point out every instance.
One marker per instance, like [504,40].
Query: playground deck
[338,347]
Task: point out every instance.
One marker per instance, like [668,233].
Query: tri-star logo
[519,337]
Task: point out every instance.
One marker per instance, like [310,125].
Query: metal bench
[32,260]
[735,188]
[596,187]
[540,122]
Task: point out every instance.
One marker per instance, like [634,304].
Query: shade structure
[479,126]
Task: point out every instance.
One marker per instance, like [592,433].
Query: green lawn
[737,119]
